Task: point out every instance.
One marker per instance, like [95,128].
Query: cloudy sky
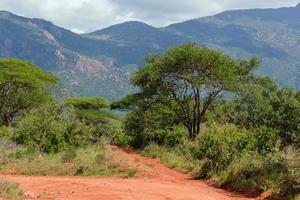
[90,15]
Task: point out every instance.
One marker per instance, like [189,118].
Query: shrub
[134,127]
[220,145]
[6,131]
[123,139]
[265,139]
[69,155]
[51,129]
[103,124]
[247,172]
[167,137]
[290,184]
[149,125]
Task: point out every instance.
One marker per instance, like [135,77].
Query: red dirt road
[154,182]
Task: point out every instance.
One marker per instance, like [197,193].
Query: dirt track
[155,182]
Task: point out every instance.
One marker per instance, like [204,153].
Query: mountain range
[101,62]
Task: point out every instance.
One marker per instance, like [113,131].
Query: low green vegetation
[40,136]
[10,190]
[91,160]
[205,113]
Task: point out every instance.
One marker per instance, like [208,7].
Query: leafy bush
[145,126]
[265,139]
[290,183]
[167,137]
[134,128]
[103,124]
[122,139]
[92,112]
[6,131]
[220,145]
[51,129]
[251,171]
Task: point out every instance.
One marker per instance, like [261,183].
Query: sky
[90,15]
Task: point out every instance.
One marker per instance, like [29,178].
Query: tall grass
[93,160]
[10,190]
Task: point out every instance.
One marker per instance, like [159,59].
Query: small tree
[188,78]
[22,86]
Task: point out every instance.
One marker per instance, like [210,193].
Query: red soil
[154,182]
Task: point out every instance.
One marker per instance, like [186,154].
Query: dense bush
[169,137]
[152,125]
[51,129]
[251,171]
[264,106]
[265,140]
[93,111]
[220,144]
[290,183]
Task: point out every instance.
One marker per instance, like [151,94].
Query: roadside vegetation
[198,110]
[205,113]
[10,190]
[40,136]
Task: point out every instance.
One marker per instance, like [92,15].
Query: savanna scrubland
[198,110]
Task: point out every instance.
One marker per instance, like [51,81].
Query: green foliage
[6,131]
[152,125]
[289,184]
[126,103]
[22,86]
[187,80]
[51,129]
[218,146]
[91,111]
[265,140]
[169,137]
[251,171]
[178,158]
[91,160]
[221,144]
[10,190]
[275,108]
[69,155]
[96,116]
[87,103]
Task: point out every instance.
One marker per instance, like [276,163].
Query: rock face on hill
[100,63]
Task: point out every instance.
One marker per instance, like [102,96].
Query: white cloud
[89,15]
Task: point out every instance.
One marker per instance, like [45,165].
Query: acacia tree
[87,103]
[22,86]
[188,78]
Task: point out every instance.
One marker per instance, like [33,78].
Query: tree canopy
[22,86]
[87,102]
[188,78]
